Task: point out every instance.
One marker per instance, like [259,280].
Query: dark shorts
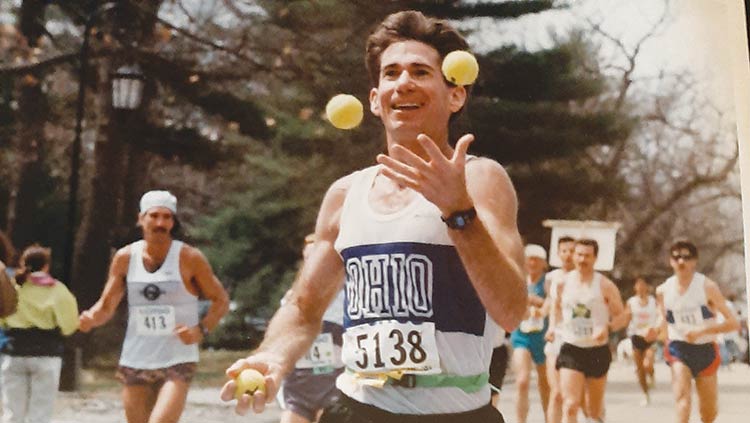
[347,410]
[305,392]
[593,362]
[498,367]
[702,359]
[130,376]
[640,343]
[533,342]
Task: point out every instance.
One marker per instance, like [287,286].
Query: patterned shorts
[131,376]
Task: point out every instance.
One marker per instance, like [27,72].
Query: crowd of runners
[415,273]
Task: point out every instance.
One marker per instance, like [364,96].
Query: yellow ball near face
[344,111]
[460,67]
[248,382]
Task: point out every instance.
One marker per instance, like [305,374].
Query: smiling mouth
[406,106]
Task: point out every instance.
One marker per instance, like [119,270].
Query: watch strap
[460,219]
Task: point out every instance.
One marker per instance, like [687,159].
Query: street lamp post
[127,91]
[75,151]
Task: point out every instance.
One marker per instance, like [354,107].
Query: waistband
[469,383]
[34,342]
[370,413]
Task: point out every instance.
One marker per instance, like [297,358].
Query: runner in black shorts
[498,367]
[643,330]
[590,306]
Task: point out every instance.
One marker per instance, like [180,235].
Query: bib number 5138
[387,346]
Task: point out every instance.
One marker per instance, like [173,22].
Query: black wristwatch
[460,219]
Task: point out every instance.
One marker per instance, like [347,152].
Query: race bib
[390,345]
[154,320]
[687,319]
[320,353]
[583,329]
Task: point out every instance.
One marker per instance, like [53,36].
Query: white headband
[534,250]
[158,199]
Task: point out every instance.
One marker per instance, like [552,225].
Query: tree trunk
[31,171]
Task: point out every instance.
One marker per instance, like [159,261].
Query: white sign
[604,233]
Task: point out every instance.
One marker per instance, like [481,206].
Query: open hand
[440,179]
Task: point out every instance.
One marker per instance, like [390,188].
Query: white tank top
[583,309]
[156,303]
[643,316]
[556,278]
[409,303]
[688,311]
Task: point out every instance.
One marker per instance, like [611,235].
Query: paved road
[622,402]
[623,397]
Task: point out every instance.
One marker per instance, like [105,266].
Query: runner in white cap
[429,243]
[163,279]
[528,338]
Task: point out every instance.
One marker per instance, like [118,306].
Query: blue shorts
[702,359]
[534,342]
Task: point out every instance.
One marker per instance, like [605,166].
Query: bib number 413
[387,346]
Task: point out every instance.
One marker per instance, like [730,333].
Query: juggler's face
[412,96]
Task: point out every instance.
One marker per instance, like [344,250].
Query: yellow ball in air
[344,111]
[460,67]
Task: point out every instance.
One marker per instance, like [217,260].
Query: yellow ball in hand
[460,67]
[248,382]
[344,111]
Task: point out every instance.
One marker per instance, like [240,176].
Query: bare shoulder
[491,189]
[340,187]
[192,255]
[121,260]
[712,289]
[609,286]
[329,215]
[485,171]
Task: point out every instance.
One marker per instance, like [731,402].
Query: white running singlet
[643,316]
[583,310]
[409,306]
[686,311]
[157,301]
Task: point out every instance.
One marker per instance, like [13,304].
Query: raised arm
[491,247]
[296,323]
[105,308]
